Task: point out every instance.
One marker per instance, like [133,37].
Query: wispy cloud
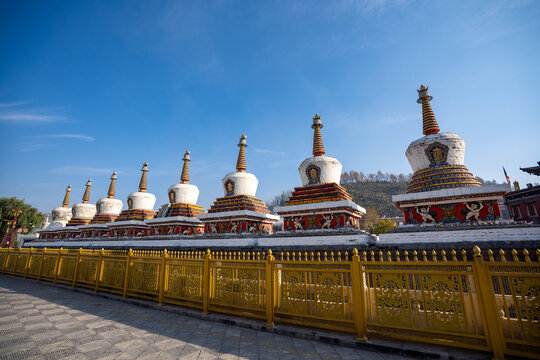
[390,120]
[80,169]
[12,112]
[29,146]
[67,136]
[271,152]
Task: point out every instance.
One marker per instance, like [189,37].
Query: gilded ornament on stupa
[318,147]
[430,125]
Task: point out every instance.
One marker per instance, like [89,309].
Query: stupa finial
[86,196]
[142,183]
[184,178]
[110,194]
[241,162]
[65,203]
[430,125]
[318,147]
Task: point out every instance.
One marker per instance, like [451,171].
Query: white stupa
[83,212]
[62,214]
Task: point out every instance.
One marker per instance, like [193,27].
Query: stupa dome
[319,169]
[240,182]
[110,205]
[141,200]
[184,193]
[437,159]
[62,214]
[84,210]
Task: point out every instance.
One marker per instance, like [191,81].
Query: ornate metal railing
[489,303]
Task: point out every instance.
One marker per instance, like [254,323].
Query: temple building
[239,211]
[178,217]
[108,210]
[524,204]
[131,222]
[321,203]
[442,190]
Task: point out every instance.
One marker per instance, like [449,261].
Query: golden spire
[318,147]
[66,197]
[110,194]
[142,184]
[241,162]
[428,118]
[86,196]
[184,178]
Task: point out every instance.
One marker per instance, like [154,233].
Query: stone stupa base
[336,215]
[95,231]
[136,215]
[459,205]
[104,218]
[239,221]
[78,221]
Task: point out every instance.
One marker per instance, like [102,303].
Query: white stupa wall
[416,152]
[142,200]
[244,183]
[84,211]
[108,206]
[61,214]
[184,193]
[330,169]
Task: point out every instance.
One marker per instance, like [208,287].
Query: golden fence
[489,303]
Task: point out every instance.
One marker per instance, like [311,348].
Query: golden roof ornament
[241,162]
[142,183]
[86,196]
[184,178]
[65,203]
[110,194]
[430,125]
[318,147]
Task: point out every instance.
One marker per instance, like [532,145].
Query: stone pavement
[40,321]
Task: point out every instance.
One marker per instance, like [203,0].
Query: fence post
[162,272]
[269,282]
[28,259]
[128,270]
[489,307]
[57,265]
[99,268]
[359,301]
[76,271]
[44,250]
[5,261]
[16,261]
[206,281]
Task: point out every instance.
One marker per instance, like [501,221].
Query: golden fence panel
[183,283]
[449,299]
[516,290]
[237,283]
[112,273]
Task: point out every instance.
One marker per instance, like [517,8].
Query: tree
[30,218]
[383,225]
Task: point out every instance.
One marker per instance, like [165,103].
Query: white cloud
[268,151]
[26,117]
[80,169]
[67,136]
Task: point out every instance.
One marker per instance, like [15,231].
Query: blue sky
[91,87]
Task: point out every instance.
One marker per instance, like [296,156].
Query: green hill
[377,194]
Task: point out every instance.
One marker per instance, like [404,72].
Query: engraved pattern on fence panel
[49,266]
[392,300]
[184,280]
[114,272]
[33,266]
[293,292]
[12,258]
[144,277]
[224,293]
[87,273]
[527,301]
[67,268]
[21,263]
[443,302]
[329,290]
[248,287]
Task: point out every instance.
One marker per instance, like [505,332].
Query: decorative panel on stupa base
[184,210]
[460,205]
[131,228]
[95,231]
[442,176]
[136,215]
[318,193]
[238,202]
[175,226]
[104,219]
[330,215]
[236,222]
[69,232]
[48,234]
